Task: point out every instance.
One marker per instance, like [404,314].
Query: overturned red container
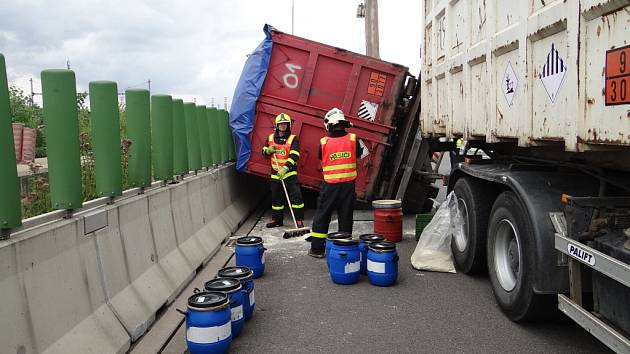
[388,219]
[305,79]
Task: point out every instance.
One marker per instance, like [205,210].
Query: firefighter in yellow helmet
[284,151]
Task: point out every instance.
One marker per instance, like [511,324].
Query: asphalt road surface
[300,310]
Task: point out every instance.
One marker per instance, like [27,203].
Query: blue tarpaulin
[246,93]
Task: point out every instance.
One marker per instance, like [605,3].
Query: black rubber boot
[318,247]
[273,223]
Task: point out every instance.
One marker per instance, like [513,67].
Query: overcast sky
[191,49]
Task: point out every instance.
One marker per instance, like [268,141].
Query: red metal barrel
[388,218]
[29,138]
[17,140]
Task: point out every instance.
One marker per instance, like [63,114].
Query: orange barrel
[388,219]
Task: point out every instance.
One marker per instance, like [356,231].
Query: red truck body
[305,79]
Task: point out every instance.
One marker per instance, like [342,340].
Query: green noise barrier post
[192,135]
[215,135]
[138,114]
[10,207]
[162,136]
[204,139]
[105,124]
[61,122]
[223,131]
[180,153]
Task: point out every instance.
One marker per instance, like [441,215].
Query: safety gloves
[283,171]
[269,150]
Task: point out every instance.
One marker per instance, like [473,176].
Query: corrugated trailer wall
[531,72]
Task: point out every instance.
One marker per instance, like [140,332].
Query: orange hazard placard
[617,76]
[376,86]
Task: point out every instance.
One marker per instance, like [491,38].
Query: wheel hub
[461,238]
[513,254]
[507,255]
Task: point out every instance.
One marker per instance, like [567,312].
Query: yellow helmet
[283,118]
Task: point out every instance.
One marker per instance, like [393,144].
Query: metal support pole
[413,154]
[371,28]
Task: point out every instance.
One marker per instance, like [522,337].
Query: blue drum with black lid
[250,253]
[344,261]
[332,237]
[208,323]
[364,242]
[232,288]
[382,263]
[246,277]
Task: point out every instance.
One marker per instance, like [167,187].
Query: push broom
[298,231]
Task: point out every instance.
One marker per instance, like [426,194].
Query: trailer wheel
[511,260]
[469,246]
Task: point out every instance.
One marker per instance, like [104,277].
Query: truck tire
[469,246]
[511,262]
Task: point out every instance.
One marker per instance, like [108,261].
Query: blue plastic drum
[364,241]
[382,263]
[335,236]
[344,261]
[246,277]
[250,253]
[232,288]
[208,328]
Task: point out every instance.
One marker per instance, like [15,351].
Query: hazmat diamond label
[365,152]
[367,110]
[552,73]
[509,84]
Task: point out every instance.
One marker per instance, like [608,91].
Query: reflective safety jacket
[287,154]
[339,158]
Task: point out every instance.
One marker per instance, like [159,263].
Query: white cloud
[192,49]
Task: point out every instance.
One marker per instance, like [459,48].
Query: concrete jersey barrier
[69,289]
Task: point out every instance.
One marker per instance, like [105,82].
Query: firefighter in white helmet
[339,152]
[283,149]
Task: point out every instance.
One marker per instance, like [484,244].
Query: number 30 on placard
[617,76]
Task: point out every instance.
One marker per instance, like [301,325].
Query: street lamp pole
[292,16]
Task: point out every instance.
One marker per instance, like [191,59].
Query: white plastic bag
[433,251]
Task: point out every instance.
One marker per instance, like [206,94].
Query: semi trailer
[538,91]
